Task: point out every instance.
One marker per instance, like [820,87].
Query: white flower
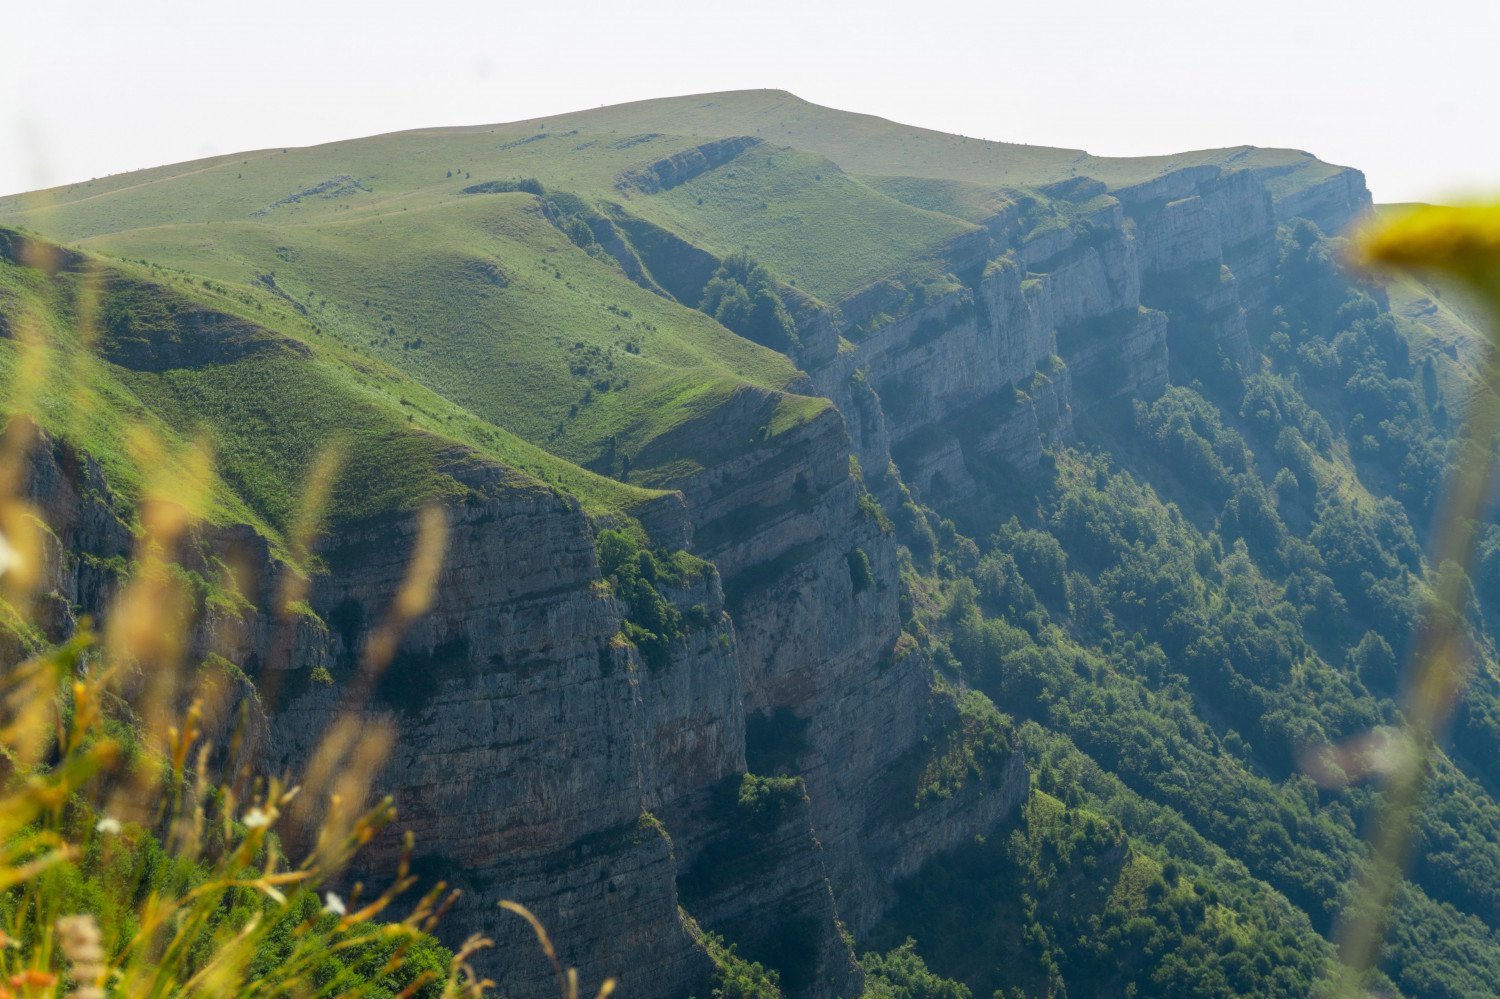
[256,819]
[108,826]
[332,903]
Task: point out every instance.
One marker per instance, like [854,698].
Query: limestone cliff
[539,757]
[530,739]
[1082,293]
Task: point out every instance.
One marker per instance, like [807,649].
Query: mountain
[857,533]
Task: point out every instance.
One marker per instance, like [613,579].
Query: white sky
[1407,90]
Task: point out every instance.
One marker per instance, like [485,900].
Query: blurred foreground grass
[1462,243]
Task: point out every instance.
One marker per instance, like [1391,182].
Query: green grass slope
[816,201]
[483,300]
[124,348]
[866,144]
[800,215]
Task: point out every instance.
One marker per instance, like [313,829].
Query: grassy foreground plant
[127,867]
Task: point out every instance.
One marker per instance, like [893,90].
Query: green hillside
[816,201]
[185,358]
[804,218]
[503,303]
[1189,602]
[486,302]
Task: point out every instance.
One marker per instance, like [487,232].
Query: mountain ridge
[798,683]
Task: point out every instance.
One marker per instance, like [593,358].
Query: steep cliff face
[88,538]
[1067,299]
[89,545]
[538,757]
[519,762]
[978,366]
[1060,310]
[1333,198]
[1084,293]
[1191,224]
[690,714]
[830,694]
[755,871]
[811,582]
[529,738]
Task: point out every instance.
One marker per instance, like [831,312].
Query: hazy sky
[1408,91]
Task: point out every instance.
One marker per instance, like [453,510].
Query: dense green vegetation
[653,623]
[1058,904]
[1183,609]
[900,973]
[743,296]
[117,872]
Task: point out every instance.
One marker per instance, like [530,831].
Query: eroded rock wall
[1088,294]
[529,740]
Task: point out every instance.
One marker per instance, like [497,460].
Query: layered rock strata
[1082,294]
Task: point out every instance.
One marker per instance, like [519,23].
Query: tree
[743,296]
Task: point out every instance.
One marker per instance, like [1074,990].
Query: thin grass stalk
[1464,243]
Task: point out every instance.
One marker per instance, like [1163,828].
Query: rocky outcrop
[811,581]
[614,243]
[1082,294]
[153,329]
[1120,354]
[679,168]
[342,186]
[983,367]
[906,838]
[1184,221]
[1010,430]
[690,714]
[1333,200]
[89,541]
[521,762]
[27,251]
[535,755]
[674,264]
[755,872]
